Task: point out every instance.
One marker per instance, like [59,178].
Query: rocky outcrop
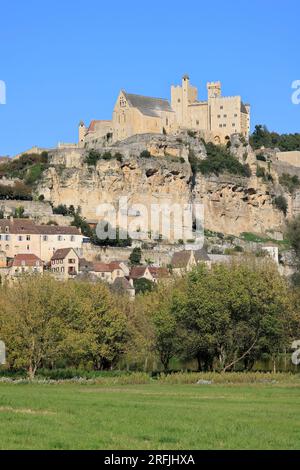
[231,204]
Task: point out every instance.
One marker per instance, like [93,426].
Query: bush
[281,204]
[18,191]
[92,158]
[107,156]
[119,157]
[27,167]
[34,174]
[143,285]
[135,256]
[291,183]
[260,172]
[145,154]
[62,209]
[219,160]
[192,134]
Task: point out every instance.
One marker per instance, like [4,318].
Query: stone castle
[217,118]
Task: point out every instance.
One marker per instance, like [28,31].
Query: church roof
[148,106]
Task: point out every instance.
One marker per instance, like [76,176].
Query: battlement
[213,84]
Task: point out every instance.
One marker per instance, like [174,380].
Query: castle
[217,118]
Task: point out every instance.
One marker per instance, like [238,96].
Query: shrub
[107,156]
[92,158]
[291,183]
[61,209]
[28,166]
[260,172]
[34,174]
[192,134]
[135,256]
[17,191]
[145,154]
[143,285]
[261,157]
[238,249]
[119,157]
[219,160]
[281,204]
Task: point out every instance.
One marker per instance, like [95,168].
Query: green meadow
[152,416]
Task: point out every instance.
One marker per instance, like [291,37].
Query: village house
[64,263]
[123,285]
[141,272]
[25,236]
[109,271]
[185,260]
[25,263]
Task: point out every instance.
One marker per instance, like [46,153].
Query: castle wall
[225,115]
[293,158]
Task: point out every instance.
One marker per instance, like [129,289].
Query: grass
[153,416]
[252,237]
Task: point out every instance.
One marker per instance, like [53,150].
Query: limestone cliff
[232,204]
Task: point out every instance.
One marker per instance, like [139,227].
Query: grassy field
[155,416]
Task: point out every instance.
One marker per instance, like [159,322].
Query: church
[217,118]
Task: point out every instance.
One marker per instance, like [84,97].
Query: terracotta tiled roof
[158,272]
[106,267]
[94,123]
[61,253]
[27,259]
[137,272]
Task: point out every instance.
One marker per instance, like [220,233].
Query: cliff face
[234,205]
[231,204]
[142,181]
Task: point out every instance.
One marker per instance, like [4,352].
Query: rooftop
[61,253]
[27,259]
[147,105]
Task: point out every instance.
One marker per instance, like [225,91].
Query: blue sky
[63,61]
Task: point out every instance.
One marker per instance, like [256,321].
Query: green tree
[232,314]
[293,235]
[135,256]
[143,285]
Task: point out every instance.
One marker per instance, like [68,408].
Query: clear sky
[63,61]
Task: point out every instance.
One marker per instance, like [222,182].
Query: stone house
[123,285]
[109,272]
[25,263]
[64,263]
[141,272]
[185,260]
[25,236]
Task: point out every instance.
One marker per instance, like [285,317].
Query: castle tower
[185,98]
[213,90]
[81,133]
